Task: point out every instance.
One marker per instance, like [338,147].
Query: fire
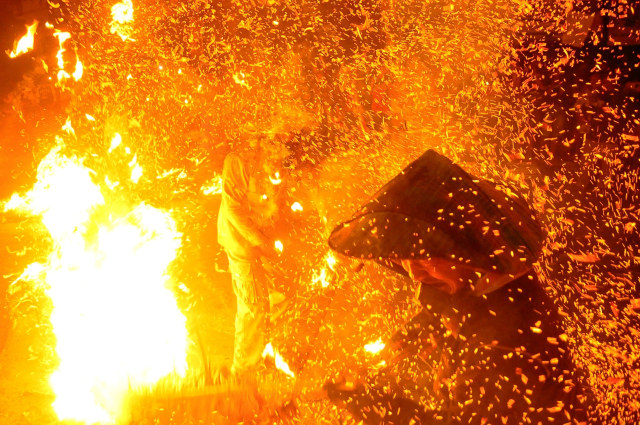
[116,324]
[25,43]
[122,15]
[275,180]
[374,347]
[281,365]
[296,207]
[323,277]
[62,37]
[77,74]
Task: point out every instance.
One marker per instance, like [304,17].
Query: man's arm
[235,183]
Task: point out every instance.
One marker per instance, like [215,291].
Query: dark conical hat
[434,209]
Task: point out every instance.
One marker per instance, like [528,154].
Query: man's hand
[271,250]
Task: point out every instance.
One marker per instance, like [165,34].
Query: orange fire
[62,37]
[281,365]
[117,326]
[374,347]
[25,43]
[122,15]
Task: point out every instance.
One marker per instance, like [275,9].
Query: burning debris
[537,97]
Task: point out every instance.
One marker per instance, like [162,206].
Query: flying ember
[117,326]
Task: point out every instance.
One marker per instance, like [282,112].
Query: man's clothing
[252,312]
[241,237]
[238,232]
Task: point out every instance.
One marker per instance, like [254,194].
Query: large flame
[116,324]
[25,43]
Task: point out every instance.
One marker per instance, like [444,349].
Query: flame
[116,141]
[62,37]
[281,365]
[331,260]
[321,278]
[239,79]
[296,207]
[374,347]
[68,127]
[117,326]
[122,15]
[77,74]
[275,180]
[136,169]
[213,186]
[278,246]
[25,43]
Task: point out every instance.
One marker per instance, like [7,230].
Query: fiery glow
[122,15]
[62,37]
[275,180]
[77,74]
[136,170]
[213,186]
[239,79]
[374,347]
[116,141]
[25,43]
[68,127]
[331,260]
[321,278]
[281,365]
[117,326]
[278,246]
[296,207]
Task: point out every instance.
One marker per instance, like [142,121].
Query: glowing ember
[278,246]
[62,37]
[136,170]
[117,326]
[331,260]
[25,43]
[122,14]
[68,127]
[281,365]
[374,347]
[275,180]
[239,79]
[321,278]
[77,74]
[116,141]
[296,207]
[213,186]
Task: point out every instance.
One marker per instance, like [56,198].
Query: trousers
[250,286]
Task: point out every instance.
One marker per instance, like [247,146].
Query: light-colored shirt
[238,231]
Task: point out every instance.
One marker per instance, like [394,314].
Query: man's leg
[251,323]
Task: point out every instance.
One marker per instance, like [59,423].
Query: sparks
[25,44]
